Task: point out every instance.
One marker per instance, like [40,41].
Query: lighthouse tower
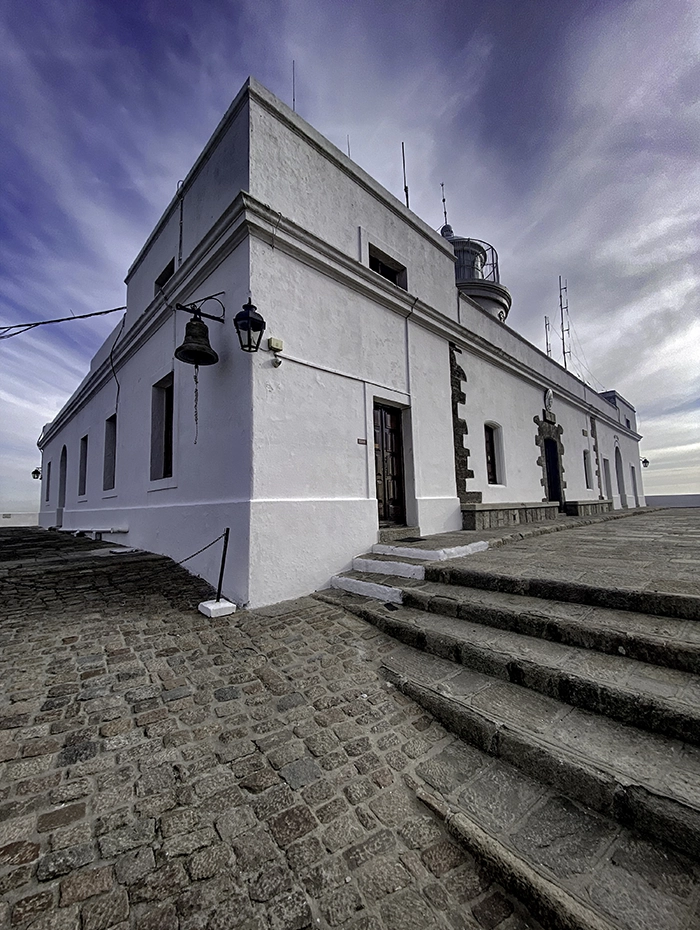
[476,273]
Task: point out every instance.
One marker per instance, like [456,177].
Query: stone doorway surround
[548,428]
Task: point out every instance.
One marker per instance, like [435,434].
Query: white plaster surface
[285,456]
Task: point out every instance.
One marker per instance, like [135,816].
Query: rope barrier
[208,546]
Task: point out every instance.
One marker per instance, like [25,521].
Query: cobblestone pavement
[163,771]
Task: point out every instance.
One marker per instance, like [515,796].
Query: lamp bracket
[195,307]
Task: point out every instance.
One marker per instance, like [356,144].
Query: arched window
[620,475]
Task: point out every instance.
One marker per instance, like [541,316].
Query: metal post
[223,565]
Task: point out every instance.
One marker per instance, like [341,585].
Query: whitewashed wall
[310,181]
[314,499]
[211,483]
[220,172]
[277,457]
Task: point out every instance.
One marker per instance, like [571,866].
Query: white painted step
[430,555]
[388,567]
[380,592]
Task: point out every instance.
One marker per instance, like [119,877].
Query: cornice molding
[247,216]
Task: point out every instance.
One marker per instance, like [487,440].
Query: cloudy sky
[566,133]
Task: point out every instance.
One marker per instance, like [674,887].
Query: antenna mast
[348,145]
[564,314]
[294,86]
[547,341]
[405,184]
[444,206]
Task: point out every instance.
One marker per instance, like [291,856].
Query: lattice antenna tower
[564,315]
[444,205]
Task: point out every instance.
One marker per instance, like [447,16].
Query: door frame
[552,461]
[400,454]
[386,397]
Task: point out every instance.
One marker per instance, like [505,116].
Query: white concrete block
[220,608]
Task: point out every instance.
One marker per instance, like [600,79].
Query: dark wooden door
[388,458]
[551,456]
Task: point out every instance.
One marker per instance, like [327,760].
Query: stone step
[663,641]
[388,534]
[644,781]
[374,563]
[661,700]
[666,641]
[574,868]
[639,600]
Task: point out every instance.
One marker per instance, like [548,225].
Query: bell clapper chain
[196,403]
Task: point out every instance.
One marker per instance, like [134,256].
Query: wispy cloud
[566,135]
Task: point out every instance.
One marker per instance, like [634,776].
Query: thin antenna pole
[294,86]
[547,342]
[348,146]
[444,206]
[405,184]
[564,314]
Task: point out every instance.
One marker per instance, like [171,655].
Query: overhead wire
[6,332]
[111,362]
[582,363]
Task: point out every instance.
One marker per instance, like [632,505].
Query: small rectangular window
[606,475]
[48,481]
[82,474]
[587,468]
[491,461]
[165,275]
[388,268]
[162,398]
[627,423]
[110,453]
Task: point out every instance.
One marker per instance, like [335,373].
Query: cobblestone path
[163,771]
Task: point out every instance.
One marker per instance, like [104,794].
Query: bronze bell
[195,350]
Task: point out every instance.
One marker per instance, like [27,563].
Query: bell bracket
[196,307]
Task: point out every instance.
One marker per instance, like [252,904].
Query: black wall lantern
[36,474]
[250,327]
[645,463]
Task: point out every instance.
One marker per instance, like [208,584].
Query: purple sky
[567,134]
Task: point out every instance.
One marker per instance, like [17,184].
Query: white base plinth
[220,608]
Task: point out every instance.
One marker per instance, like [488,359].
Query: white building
[393,336]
